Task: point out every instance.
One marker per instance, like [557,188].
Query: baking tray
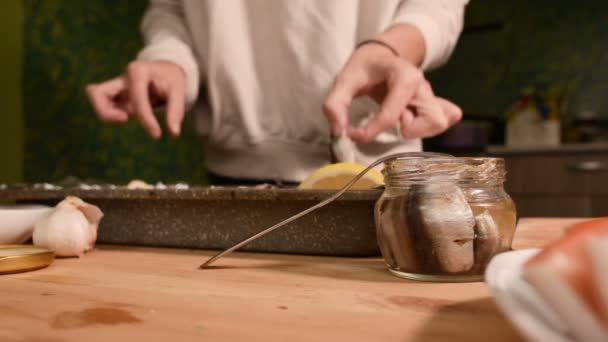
[218,217]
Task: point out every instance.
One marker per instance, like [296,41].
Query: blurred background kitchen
[531,77]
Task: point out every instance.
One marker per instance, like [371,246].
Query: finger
[401,90]
[428,121]
[430,118]
[405,121]
[101,96]
[139,79]
[451,110]
[338,101]
[424,98]
[175,108]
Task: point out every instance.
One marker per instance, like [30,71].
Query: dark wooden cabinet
[558,183]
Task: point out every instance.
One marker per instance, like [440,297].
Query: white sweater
[258,71]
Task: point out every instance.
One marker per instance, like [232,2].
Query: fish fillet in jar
[443,224]
[487,241]
[394,236]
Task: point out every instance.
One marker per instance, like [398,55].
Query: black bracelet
[379,42]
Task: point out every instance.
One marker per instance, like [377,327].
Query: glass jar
[443,218]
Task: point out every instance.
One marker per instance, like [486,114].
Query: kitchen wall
[68,44]
[11,124]
[559,42]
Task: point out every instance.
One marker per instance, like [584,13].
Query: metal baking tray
[218,217]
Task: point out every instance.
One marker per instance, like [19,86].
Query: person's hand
[406,99]
[143,86]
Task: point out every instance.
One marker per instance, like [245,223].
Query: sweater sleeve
[439,21]
[167,38]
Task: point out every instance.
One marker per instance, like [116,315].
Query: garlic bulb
[70,229]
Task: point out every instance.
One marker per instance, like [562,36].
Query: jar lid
[23,258]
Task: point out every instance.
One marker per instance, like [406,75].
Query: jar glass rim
[462,170]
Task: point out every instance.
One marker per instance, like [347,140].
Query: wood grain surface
[118,293]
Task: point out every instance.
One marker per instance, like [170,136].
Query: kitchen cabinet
[568,181]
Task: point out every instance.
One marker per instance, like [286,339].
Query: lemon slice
[336,176]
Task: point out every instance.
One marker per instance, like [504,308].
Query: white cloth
[258,71]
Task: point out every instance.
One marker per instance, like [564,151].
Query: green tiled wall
[557,42]
[67,45]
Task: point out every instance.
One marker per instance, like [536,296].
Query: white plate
[17,222]
[520,302]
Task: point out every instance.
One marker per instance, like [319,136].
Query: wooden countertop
[143,294]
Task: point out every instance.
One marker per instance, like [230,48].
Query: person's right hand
[144,84]
[405,97]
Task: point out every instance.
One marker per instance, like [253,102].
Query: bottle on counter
[534,120]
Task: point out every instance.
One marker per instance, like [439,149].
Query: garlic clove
[70,229]
[344,149]
[91,212]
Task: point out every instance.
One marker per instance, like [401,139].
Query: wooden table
[144,294]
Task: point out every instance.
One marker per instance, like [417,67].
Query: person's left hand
[405,97]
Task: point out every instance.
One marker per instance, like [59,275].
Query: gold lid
[22,258]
